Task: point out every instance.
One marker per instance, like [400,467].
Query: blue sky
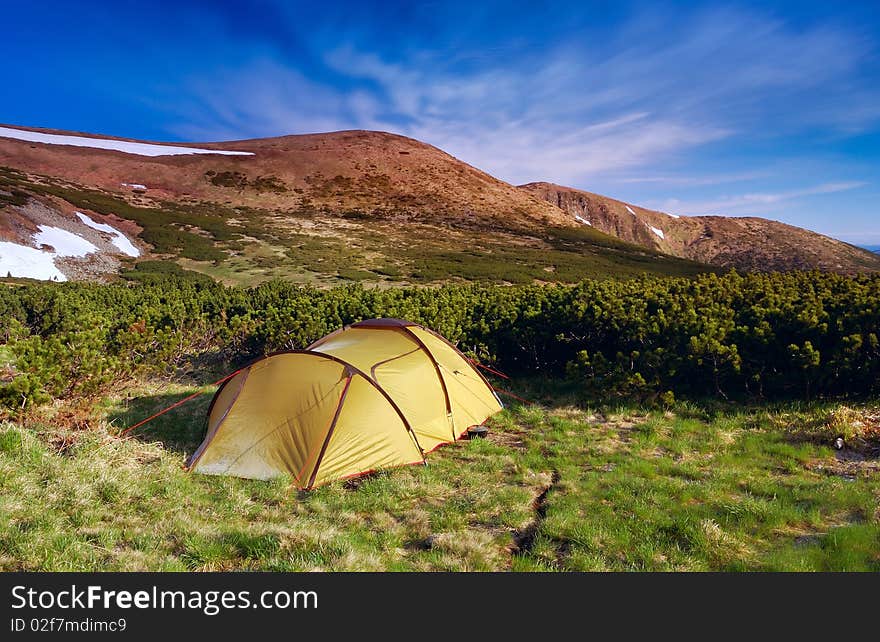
[767,109]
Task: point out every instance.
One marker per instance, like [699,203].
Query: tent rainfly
[375,394]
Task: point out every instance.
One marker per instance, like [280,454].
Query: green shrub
[801,334]
[353,274]
[227,179]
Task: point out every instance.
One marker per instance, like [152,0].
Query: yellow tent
[375,394]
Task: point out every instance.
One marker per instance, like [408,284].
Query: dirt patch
[846,465]
[853,433]
[425,544]
[61,425]
[353,483]
[524,539]
[514,440]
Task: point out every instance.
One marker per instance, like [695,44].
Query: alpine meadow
[672,424]
[528,287]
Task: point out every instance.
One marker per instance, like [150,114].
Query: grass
[304,244]
[671,492]
[558,488]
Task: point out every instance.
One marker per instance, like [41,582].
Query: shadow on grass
[556,393]
[181,429]
[553,394]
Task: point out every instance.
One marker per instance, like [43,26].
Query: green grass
[666,492]
[353,274]
[247,246]
[550,489]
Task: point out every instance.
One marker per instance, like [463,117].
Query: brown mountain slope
[746,243]
[350,206]
[393,176]
[371,205]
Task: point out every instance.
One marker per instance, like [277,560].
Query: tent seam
[427,351]
[276,429]
[382,363]
[333,423]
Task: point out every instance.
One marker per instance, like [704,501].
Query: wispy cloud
[725,106]
[691,180]
[760,204]
[264,99]
[641,98]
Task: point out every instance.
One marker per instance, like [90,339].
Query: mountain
[316,208]
[342,206]
[745,243]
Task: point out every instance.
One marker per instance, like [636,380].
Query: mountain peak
[261,202]
[746,243]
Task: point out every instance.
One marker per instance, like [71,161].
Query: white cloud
[691,180]
[265,99]
[643,97]
[759,203]
[522,152]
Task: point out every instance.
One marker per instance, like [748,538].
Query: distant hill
[746,243]
[345,206]
[322,209]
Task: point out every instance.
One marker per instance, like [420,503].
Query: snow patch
[673,215]
[628,209]
[119,239]
[125,246]
[34,263]
[128,147]
[101,227]
[134,185]
[658,232]
[65,243]
[28,262]
[583,220]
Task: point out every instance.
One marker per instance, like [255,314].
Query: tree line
[753,336]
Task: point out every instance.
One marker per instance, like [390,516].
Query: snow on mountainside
[39,263]
[28,262]
[359,205]
[40,240]
[128,147]
[119,239]
[658,232]
[746,243]
[62,242]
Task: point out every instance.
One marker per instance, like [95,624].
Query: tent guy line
[176,404]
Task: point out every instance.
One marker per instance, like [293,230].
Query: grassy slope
[246,246]
[551,489]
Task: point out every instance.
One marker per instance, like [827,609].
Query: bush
[757,336]
[354,274]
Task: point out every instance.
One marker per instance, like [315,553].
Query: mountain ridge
[351,205]
[745,242]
